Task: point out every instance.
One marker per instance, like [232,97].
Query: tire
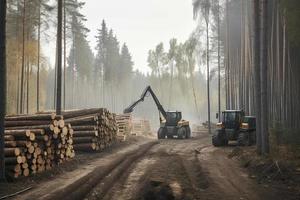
[216,141]
[225,142]
[181,133]
[170,136]
[188,132]
[161,133]
[244,139]
[253,137]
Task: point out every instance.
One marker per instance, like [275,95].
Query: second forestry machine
[171,124]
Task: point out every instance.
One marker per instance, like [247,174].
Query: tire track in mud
[104,185]
[79,189]
[128,186]
[170,170]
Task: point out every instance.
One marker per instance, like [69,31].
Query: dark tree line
[261,66]
[270,89]
[113,69]
[32,82]
[259,40]
[26,24]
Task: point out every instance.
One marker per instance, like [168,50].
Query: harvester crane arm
[159,106]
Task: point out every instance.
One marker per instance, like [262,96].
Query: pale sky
[142,24]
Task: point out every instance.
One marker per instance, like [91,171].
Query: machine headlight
[245,126]
[220,125]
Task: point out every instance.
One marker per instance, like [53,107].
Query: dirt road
[164,169]
[184,169]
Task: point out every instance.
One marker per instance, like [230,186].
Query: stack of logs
[93,129]
[124,125]
[141,127]
[35,143]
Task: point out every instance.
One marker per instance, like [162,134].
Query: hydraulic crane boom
[159,106]
[172,125]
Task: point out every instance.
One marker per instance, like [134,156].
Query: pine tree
[2,85]
[126,64]
[171,60]
[59,57]
[100,59]
[264,76]
[204,7]
[256,57]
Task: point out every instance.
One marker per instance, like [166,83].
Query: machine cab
[173,117]
[231,119]
[249,123]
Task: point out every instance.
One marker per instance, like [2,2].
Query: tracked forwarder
[171,122]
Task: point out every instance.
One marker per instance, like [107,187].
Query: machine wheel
[225,142]
[218,140]
[170,136]
[244,139]
[181,133]
[253,137]
[188,132]
[161,133]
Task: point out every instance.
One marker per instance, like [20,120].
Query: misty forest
[239,63]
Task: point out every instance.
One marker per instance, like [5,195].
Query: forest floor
[165,169]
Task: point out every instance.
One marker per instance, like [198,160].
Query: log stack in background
[141,127]
[124,122]
[93,129]
[35,143]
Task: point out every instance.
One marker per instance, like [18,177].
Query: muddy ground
[151,169]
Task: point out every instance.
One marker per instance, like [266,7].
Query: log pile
[93,129]
[141,127]
[35,143]
[124,122]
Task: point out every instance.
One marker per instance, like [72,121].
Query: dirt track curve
[164,169]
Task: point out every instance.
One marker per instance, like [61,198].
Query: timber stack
[141,127]
[35,143]
[93,129]
[124,122]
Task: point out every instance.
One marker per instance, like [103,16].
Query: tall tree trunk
[18,56]
[208,72]
[27,86]
[2,85]
[219,65]
[65,54]
[227,64]
[264,76]
[73,71]
[55,80]
[256,67]
[242,60]
[283,85]
[28,64]
[23,59]
[171,83]
[59,56]
[194,92]
[38,63]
